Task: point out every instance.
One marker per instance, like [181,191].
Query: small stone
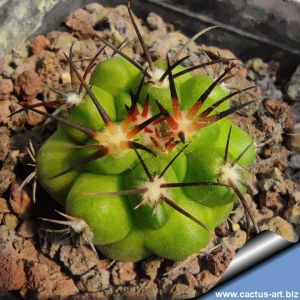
[295,196]
[151,267]
[78,261]
[39,44]
[257,65]
[4,111]
[182,291]
[11,221]
[146,290]
[294,141]
[293,89]
[20,201]
[4,145]
[270,127]
[12,275]
[272,200]
[98,13]
[104,263]
[17,121]
[27,251]
[207,280]
[290,186]
[191,265]
[4,206]
[294,161]
[50,69]
[237,240]
[273,181]
[94,281]
[47,283]
[220,259]
[34,119]
[123,272]
[280,227]
[292,213]
[165,284]
[60,42]
[5,70]
[191,280]
[6,88]
[281,112]
[296,111]
[79,21]
[236,227]
[222,230]
[28,84]
[156,22]
[27,229]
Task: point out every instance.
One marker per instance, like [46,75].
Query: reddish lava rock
[20,201]
[28,84]
[6,87]
[123,272]
[12,275]
[79,21]
[39,44]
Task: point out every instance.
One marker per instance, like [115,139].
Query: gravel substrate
[42,266]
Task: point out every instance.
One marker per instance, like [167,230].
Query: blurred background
[269,29]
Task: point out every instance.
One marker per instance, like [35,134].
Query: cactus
[147,158]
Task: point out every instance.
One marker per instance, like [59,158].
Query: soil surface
[40,265]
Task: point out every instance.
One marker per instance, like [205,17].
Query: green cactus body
[130,227]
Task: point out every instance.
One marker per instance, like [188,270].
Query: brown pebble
[44,283]
[281,227]
[4,206]
[39,44]
[4,111]
[79,21]
[50,69]
[182,291]
[123,272]
[77,260]
[6,88]
[34,119]
[151,267]
[11,221]
[272,200]
[207,280]
[4,144]
[191,265]
[218,262]
[281,111]
[294,140]
[17,121]
[147,289]
[27,229]
[12,275]
[94,281]
[27,251]
[20,201]
[191,280]
[28,84]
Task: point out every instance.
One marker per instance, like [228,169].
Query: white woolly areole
[153,190]
[155,77]
[232,173]
[184,125]
[81,227]
[115,137]
[73,99]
